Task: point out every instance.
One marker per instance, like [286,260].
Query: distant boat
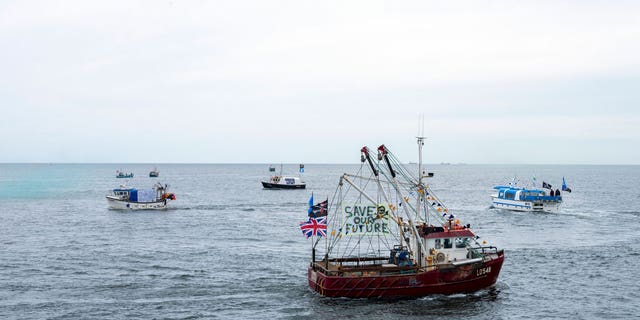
[527,200]
[120,174]
[272,169]
[154,173]
[284,182]
[125,198]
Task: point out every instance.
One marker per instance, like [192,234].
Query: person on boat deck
[403,259]
[557,192]
[551,193]
[451,217]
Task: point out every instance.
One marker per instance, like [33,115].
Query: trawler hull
[442,280]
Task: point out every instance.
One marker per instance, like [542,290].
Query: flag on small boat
[314,227]
[564,186]
[534,181]
[546,185]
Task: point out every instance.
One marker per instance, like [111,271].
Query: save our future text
[366,219]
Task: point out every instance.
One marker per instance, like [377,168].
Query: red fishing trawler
[389,235]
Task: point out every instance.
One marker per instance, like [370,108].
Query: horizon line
[324,163]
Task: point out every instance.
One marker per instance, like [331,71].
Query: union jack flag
[314,227]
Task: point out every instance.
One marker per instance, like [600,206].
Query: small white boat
[521,199]
[154,173]
[282,182]
[125,198]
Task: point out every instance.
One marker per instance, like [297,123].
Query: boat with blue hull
[526,200]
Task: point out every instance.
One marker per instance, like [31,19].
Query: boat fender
[440,257]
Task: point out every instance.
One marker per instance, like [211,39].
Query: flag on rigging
[546,185]
[310,204]
[319,210]
[314,227]
[564,186]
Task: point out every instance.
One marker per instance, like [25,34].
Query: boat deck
[361,267]
[373,266]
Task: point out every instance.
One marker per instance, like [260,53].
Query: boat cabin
[521,194]
[142,195]
[285,180]
[447,246]
[123,194]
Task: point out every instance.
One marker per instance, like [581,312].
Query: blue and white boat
[125,198]
[522,199]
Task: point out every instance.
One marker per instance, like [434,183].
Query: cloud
[274,74]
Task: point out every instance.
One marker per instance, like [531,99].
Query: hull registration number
[483,271]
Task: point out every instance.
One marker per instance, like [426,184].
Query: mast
[383,153]
[365,155]
[420,186]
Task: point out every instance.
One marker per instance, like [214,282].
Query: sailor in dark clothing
[557,192]
[551,192]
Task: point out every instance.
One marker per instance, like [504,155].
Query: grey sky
[313,81]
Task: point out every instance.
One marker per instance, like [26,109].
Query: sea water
[227,249]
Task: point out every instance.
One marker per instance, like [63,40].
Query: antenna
[421,125]
[420,141]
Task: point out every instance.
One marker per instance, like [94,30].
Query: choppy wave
[237,252]
[242,207]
